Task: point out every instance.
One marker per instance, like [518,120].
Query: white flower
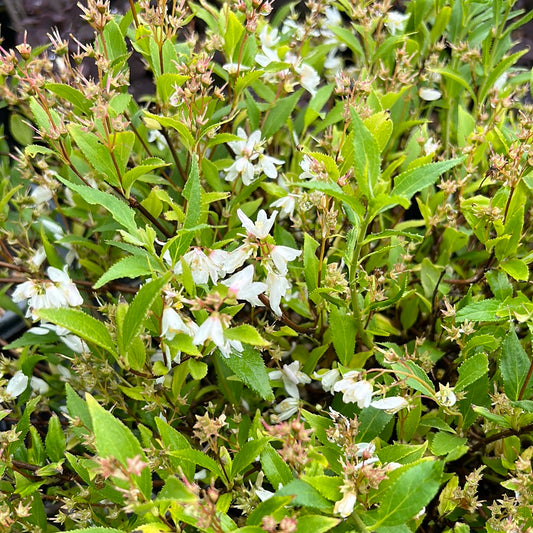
[267,165]
[171,323]
[233,68]
[445,396]
[354,390]
[17,384]
[287,204]
[309,78]
[212,329]
[70,340]
[328,379]
[41,195]
[396,22]
[365,450]
[246,151]
[278,287]
[428,94]
[291,375]
[63,282]
[25,291]
[243,287]
[286,408]
[38,257]
[202,267]
[262,226]
[501,81]
[305,165]
[344,507]
[269,40]
[281,255]
[159,139]
[431,146]
[237,257]
[39,385]
[390,405]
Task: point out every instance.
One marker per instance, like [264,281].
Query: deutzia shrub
[288,289]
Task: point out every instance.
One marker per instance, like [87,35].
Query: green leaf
[408,495]
[119,210]
[419,380]
[234,32]
[199,458]
[371,423]
[133,174]
[516,268]
[173,440]
[99,530]
[141,305]
[482,311]
[247,334]
[114,439]
[77,407]
[72,95]
[274,467]
[278,115]
[316,523]
[84,326]
[343,332]
[366,156]
[250,368]
[514,366]
[128,267]
[402,453]
[304,495]
[266,508]
[408,183]
[55,440]
[247,455]
[443,443]
[471,370]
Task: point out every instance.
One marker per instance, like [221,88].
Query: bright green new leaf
[196,457]
[275,468]
[82,325]
[279,113]
[72,95]
[367,159]
[249,367]
[247,334]
[55,440]
[114,439]
[128,267]
[514,366]
[304,495]
[316,523]
[408,183]
[310,262]
[516,268]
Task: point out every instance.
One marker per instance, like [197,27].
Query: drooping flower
[72,341]
[242,286]
[428,94]
[172,323]
[292,376]
[213,329]
[309,78]
[261,227]
[277,287]
[390,405]
[286,204]
[345,506]
[17,384]
[354,390]
[328,379]
[202,267]
[287,408]
[281,255]
[445,396]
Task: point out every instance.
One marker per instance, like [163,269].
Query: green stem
[359,523]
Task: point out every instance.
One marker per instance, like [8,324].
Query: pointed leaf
[514,365]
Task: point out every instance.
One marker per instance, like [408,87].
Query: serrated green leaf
[274,467]
[84,326]
[99,530]
[114,439]
[444,443]
[371,423]
[316,523]
[72,95]
[279,113]
[516,268]
[119,210]
[141,305]
[249,367]
[247,455]
[343,332]
[482,311]
[55,440]
[133,174]
[408,495]
[173,440]
[408,183]
[247,334]
[304,495]
[471,370]
[128,267]
[266,508]
[366,162]
[514,366]
[196,457]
